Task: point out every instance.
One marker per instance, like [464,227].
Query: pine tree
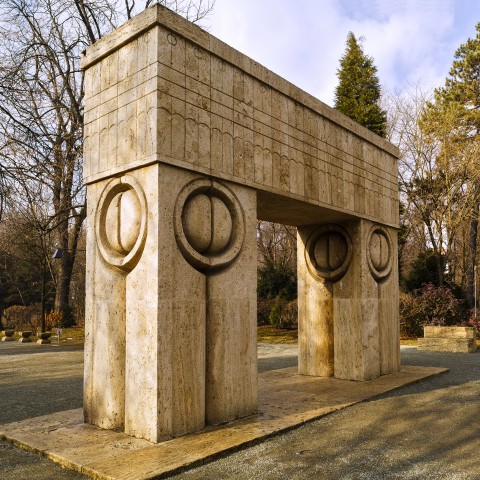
[460,97]
[454,118]
[358,92]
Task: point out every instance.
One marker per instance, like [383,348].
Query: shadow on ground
[427,430]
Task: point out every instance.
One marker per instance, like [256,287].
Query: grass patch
[269,334]
[265,334]
[69,336]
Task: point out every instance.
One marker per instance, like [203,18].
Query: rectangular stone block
[355,170]
[454,345]
[430,331]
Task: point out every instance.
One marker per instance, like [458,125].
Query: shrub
[423,271]
[62,317]
[18,317]
[67,316]
[411,316]
[54,318]
[264,306]
[274,279]
[429,305]
[284,313]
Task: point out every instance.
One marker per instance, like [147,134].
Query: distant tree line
[439,177]
[42,196]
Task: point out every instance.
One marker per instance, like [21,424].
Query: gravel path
[428,430]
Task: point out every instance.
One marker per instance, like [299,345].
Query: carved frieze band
[182,104]
[209,224]
[328,252]
[121,222]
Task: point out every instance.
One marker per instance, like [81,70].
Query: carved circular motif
[121,222]
[198,53]
[209,224]
[328,252]
[379,252]
[172,39]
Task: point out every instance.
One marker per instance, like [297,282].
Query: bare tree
[193,10]
[41,103]
[277,244]
[437,181]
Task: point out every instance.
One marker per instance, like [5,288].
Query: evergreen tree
[358,92]
[454,118]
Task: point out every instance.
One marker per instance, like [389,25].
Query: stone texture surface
[286,399]
[463,345]
[166,363]
[8,336]
[448,332]
[161,89]
[348,314]
[448,339]
[187,144]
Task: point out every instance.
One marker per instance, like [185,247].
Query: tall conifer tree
[358,92]
[454,118]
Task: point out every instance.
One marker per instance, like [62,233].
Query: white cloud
[411,41]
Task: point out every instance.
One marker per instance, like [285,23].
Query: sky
[412,42]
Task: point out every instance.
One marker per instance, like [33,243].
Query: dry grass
[69,336]
[265,334]
[269,334]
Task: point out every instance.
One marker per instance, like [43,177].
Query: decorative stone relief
[379,252]
[209,224]
[329,252]
[121,222]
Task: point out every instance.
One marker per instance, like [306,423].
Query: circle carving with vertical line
[328,252]
[209,224]
[379,252]
[121,222]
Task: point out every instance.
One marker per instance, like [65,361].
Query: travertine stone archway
[187,143]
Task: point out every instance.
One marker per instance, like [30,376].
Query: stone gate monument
[187,144]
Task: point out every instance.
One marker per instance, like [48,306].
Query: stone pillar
[348,300]
[171,314]
[231,381]
[104,373]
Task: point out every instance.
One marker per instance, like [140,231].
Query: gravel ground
[428,430]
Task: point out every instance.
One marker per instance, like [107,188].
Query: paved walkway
[429,430]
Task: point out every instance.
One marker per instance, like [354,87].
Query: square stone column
[348,300]
[171,307]
[231,370]
[146,307]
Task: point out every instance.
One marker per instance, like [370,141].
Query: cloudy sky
[412,41]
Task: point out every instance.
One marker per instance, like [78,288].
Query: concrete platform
[286,400]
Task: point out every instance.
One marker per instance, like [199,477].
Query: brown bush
[21,318]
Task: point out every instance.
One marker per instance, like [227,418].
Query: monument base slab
[286,400]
